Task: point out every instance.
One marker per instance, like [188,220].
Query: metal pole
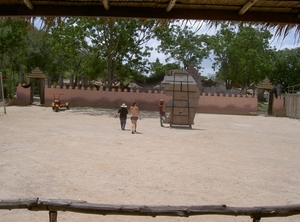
[2,92]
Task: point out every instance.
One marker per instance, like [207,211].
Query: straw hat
[123,105]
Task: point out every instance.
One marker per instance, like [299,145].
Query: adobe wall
[208,103]
[227,104]
[23,97]
[104,98]
[279,108]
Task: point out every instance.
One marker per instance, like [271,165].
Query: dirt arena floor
[82,154]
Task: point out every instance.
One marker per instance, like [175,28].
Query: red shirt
[160,107]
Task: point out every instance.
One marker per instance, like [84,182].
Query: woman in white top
[135,115]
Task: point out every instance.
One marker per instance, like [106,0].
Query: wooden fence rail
[53,205]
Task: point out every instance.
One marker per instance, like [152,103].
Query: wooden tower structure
[185,96]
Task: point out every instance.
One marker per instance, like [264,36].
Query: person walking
[123,115]
[162,114]
[135,115]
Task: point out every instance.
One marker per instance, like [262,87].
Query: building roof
[261,11]
[37,74]
[265,84]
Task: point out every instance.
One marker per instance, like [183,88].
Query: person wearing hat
[123,115]
[162,113]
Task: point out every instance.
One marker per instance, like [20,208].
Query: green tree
[69,49]
[183,45]
[243,57]
[250,56]
[286,68]
[120,43]
[221,45]
[157,69]
[157,72]
[12,32]
[37,50]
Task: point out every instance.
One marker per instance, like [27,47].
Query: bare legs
[134,124]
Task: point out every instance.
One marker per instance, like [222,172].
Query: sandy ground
[82,154]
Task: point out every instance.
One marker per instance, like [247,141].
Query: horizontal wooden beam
[142,12]
[54,205]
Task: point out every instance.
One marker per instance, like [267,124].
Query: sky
[278,42]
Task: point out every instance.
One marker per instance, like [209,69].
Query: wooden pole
[52,216]
[76,206]
[1,84]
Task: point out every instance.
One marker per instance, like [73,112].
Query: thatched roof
[281,15]
[266,84]
[276,11]
[37,74]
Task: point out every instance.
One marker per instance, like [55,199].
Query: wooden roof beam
[147,13]
[28,4]
[247,6]
[171,5]
[105,4]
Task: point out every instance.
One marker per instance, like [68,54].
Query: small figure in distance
[135,115]
[162,114]
[123,115]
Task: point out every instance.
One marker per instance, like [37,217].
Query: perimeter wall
[292,103]
[208,103]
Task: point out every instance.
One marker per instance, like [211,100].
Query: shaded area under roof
[266,11]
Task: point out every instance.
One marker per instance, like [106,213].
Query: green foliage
[183,45]
[261,106]
[115,50]
[106,49]
[12,33]
[242,57]
[159,69]
[120,43]
[286,68]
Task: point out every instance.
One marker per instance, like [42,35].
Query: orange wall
[227,104]
[279,107]
[208,103]
[109,99]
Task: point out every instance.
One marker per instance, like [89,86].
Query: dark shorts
[134,118]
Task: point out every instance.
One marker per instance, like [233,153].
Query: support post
[257,214]
[52,216]
[2,92]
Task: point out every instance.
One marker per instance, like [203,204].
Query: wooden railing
[54,205]
[293,89]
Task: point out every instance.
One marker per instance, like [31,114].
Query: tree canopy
[116,50]
[183,45]
[242,56]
